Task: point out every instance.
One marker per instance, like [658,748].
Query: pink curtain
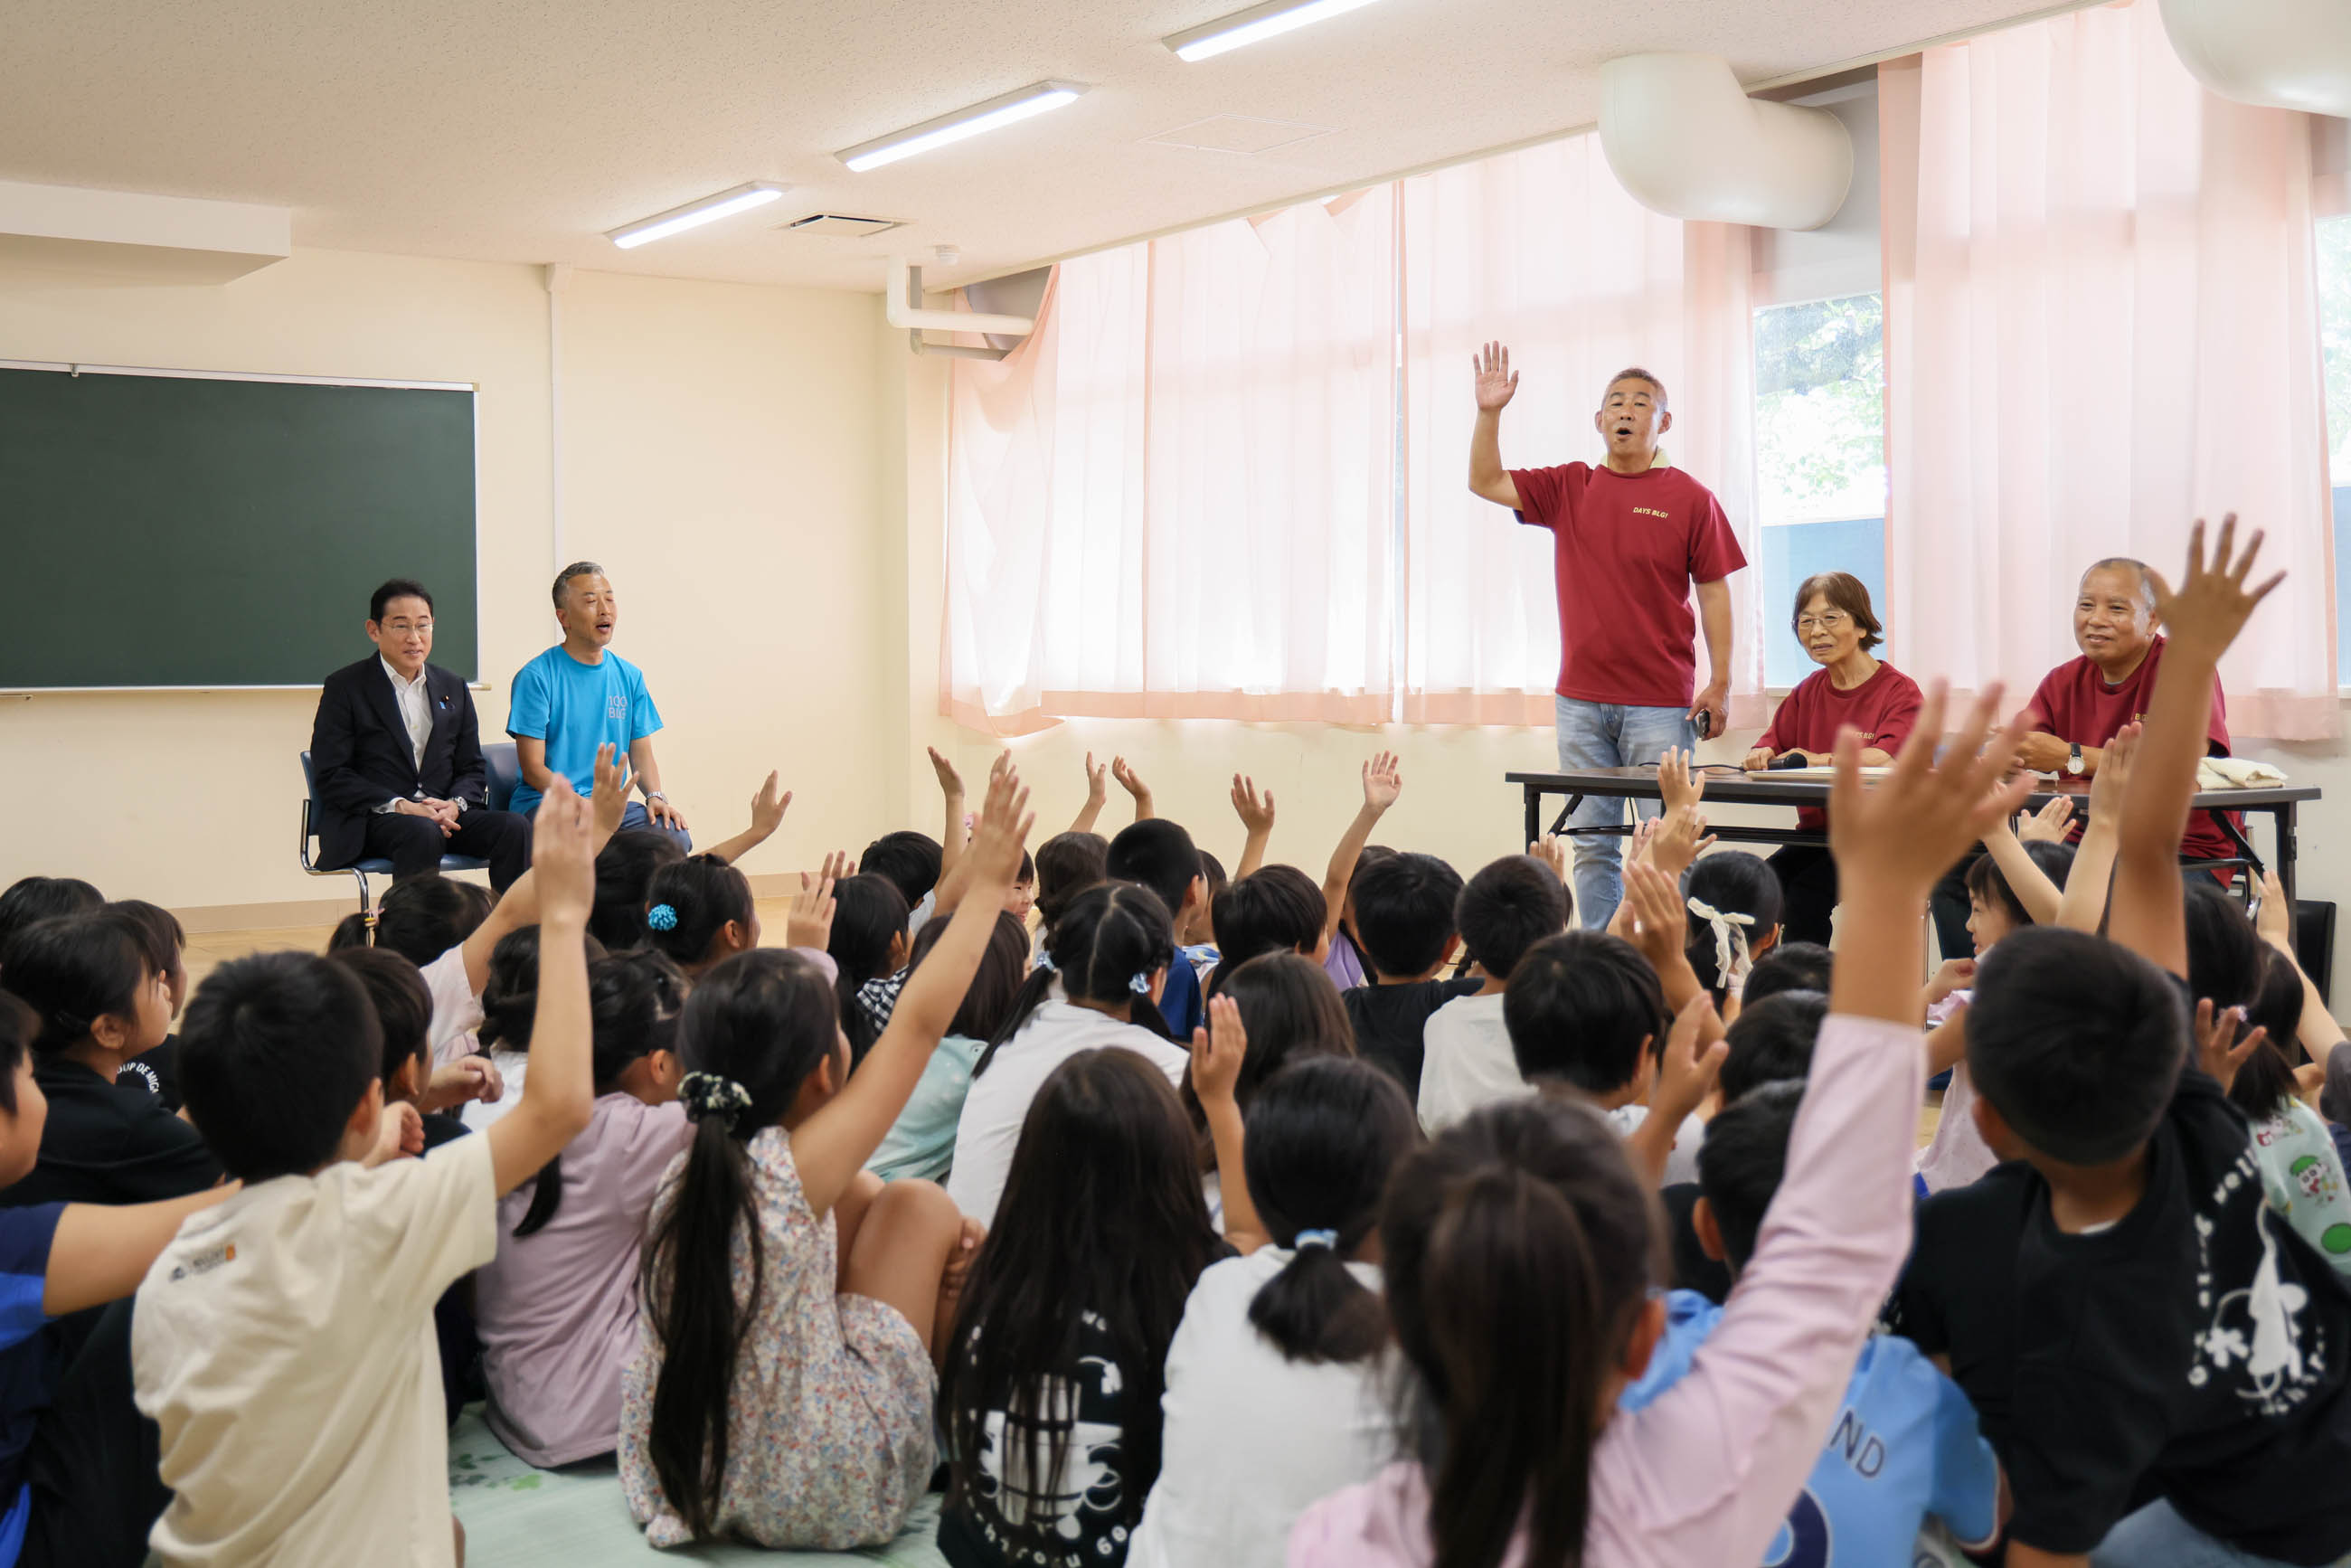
[1543,249]
[1173,499]
[2102,322]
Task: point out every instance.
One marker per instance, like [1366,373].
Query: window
[1820,455]
[2334,336]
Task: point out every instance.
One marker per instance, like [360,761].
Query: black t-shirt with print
[1078,1518]
[157,1072]
[108,1142]
[2197,1347]
[1389,1020]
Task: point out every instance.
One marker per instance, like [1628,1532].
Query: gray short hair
[2127,563]
[576,568]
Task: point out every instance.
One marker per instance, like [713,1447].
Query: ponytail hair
[634,1003]
[690,902]
[1105,947]
[1323,1135]
[420,918]
[510,994]
[869,913]
[753,1031]
[623,872]
[1275,909]
[1520,1248]
[1733,902]
[2265,1081]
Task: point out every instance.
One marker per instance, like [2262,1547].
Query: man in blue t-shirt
[1904,1448]
[579,696]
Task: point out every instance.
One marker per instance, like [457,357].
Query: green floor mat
[518,1517]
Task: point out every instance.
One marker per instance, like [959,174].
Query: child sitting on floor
[1342,950]
[781,1389]
[1586,1008]
[307,1295]
[1403,921]
[1050,1395]
[1733,899]
[1504,910]
[699,912]
[869,947]
[100,1002]
[921,1141]
[2301,1169]
[1275,909]
[1160,855]
[1290,1011]
[1105,965]
[1274,1395]
[1789,967]
[164,942]
[30,899]
[1518,1250]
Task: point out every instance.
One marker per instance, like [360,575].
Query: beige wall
[722,459]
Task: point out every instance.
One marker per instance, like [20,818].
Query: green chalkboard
[162,530]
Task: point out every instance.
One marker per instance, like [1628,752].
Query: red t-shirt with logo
[2074,702]
[1624,549]
[1885,709]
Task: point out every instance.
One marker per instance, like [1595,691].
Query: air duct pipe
[2279,54]
[1684,140]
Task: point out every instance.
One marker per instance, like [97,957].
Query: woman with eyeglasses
[1833,621]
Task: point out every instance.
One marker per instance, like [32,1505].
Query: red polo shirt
[2074,703]
[1885,709]
[1624,549]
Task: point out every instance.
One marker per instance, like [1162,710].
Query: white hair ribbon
[1730,929]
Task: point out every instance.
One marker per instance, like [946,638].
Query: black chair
[505,772]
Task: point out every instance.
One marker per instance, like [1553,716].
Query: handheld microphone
[1781,764]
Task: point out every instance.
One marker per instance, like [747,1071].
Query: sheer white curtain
[2102,322]
[1175,499]
[1543,250]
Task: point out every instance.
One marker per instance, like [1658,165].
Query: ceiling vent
[836,223]
[1239,135]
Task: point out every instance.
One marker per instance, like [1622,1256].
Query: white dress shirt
[415,713]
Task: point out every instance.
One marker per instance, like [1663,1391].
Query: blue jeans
[635,820]
[1611,735]
[2156,1537]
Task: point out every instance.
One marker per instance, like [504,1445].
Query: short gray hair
[2128,563]
[576,568]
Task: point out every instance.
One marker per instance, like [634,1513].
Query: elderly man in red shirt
[2080,704]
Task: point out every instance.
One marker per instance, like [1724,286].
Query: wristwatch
[2074,760]
[657,795]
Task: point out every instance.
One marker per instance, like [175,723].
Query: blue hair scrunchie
[661,918]
[1312,1239]
[1045,962]
[1140,984]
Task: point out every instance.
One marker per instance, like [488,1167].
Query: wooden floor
[209,948]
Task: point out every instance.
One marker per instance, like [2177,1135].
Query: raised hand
[1552,850]
[612,791]
[1005,819]
[768,808]
[1680,841]
[2112,781]
[808,923]
[950,782]
[1495,382]
[2048,825]
[1382,782]
[1902,834]
[563,859]
[2212,603]
[1693,1060]
[1255,810]
[1218,1051]
[2219,1052]
[1132,782]
[1677,786]
[2274,919]
[1661,919]
[1097,782]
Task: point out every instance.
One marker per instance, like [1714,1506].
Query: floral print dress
[829,1441]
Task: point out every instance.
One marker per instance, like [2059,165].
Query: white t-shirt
[1250,1438]
[457,1010]
[990,1127]
[512,1067]
[1469,1062]
[1681,1166]
[284,1343]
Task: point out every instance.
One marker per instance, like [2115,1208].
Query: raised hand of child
[563,858]
[612,791]
[1681,840]
[2274,919]
[2219,1052]
[1382,782]
[1661,920]
[950,782]
[1132,782]
[2211,605]
[1901,835]
[768,808]
[809,921]
[1217,1050]
[2047,825]
[1552,850]
[1677,787]
[996,839]
[1692,1063]
[1254,810]
[2112,780]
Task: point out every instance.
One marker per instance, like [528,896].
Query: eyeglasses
[402,628]
[1832,622]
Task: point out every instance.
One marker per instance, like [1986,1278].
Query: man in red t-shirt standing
[1629,537]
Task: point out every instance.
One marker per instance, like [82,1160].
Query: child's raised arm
[1218,1049]
[1256,812]
[2093,875]
[1097,793]
[519,906]
[1132,782]
[767,808]
[2041,897]
[2199,620]
[833,1146]
[1381,785]
[951,792]
[559,1093]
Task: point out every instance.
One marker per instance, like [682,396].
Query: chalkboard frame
[473,393]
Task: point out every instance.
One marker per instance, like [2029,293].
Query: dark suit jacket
[360,758]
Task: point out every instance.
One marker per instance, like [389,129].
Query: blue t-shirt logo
[618,708]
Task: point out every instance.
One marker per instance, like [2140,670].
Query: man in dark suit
[397,756]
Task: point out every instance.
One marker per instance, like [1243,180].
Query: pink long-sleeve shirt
[1704,1477]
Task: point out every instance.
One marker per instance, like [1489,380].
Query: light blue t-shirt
[1904,1446]
[575,708]
[921,1143]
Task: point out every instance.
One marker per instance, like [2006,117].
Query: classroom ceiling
[521,130]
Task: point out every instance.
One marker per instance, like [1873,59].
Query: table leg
[2282,816]
[1534,814]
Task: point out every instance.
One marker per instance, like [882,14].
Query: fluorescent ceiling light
[1007,110]
[1254,24]
[693,214]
